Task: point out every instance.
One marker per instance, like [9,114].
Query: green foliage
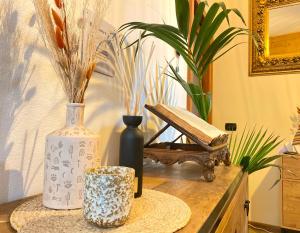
[251,149]
[182,16]
[199,46]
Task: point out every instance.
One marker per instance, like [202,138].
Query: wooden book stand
[208,149]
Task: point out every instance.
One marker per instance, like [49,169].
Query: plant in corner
[251,149]
[68,29]
[199,45]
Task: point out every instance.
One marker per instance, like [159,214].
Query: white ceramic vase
[69,152]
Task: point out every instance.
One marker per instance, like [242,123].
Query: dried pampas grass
[69,29]
[160,88]
[140,79]
[131,66]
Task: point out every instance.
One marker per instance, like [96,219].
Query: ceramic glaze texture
[69,152]
[108,195]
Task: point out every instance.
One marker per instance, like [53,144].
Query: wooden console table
[220,206]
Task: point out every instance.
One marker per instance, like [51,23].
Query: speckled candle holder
[108,195]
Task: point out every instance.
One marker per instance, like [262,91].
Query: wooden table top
[206,200]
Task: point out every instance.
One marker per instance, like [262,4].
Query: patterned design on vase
[108,195]
[69,151]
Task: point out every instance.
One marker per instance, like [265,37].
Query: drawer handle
[247,206]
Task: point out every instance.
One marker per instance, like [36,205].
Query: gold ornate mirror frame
[259,62]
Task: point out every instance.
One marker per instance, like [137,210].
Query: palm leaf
[197,47]
[199,100]
[196,22]
[182,14]
[211,14]
[251,150]
[209,33]
[237,153]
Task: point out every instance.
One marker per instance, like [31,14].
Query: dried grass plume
[69,29]
[131,66]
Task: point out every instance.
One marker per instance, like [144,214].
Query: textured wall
[32,103]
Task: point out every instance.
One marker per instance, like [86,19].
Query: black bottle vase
[132,148]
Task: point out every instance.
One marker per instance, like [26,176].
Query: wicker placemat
[154,212]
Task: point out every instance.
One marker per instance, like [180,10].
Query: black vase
[132,148]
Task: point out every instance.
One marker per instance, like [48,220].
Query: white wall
[268,101]
[32,103]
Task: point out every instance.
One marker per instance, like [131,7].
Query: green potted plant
[199,46]
[251,149]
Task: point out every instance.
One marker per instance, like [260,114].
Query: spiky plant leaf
[183,15]
[252,148]
[199,46]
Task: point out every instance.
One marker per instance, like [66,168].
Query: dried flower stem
[131,66]
[69,31]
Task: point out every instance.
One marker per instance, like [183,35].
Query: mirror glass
[283,31]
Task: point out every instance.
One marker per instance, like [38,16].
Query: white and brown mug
[108,195]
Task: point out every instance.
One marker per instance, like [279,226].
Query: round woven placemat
[154,212]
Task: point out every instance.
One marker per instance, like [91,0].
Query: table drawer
[291,203]
[291,168]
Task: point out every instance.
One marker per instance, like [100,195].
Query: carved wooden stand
[168,153]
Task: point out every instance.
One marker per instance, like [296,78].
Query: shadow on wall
[16,72]
[266,198]
[105,94]
[111,107]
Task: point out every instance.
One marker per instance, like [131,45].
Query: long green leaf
[244,143]
[265,151]
[206,65]
[199,47]
[233,154]
[239,14]
[199,100]
[226,51]
[208,101]
[255,143]
[196,22]
[210,31]
[211,14]
[168,38]
[239,146]
[180,80]
[220,42]
[268,160]
[253,150]
[182,14]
